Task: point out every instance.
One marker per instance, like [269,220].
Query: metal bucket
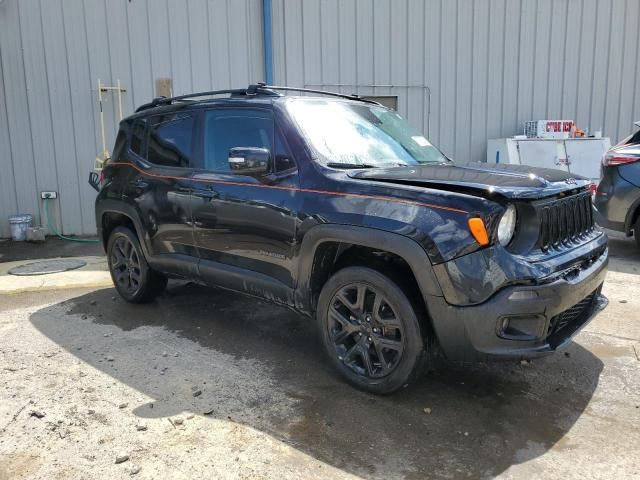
[19,225]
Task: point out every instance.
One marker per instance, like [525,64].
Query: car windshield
[352,135]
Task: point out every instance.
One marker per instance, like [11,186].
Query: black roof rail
[169,100]
[255,89]
[260,87]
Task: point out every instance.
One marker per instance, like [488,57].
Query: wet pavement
[53,248]
[260,369]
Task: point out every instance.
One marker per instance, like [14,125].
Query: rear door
[245,225]
[159,185]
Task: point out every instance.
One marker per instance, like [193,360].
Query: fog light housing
[505,324]
[522,327]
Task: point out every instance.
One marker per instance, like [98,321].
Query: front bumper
[539,318]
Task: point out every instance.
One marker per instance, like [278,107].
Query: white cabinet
[546,154]
[584,156]
[580,156]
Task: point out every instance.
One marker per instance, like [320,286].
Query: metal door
[543,153]
[584,156]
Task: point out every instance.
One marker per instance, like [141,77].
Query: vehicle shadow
[260,365]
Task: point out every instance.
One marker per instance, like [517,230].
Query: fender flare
[402,246]
[121,208]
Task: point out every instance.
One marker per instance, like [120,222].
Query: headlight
[507,226]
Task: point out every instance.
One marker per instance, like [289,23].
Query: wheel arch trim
[404,247]
[112,206]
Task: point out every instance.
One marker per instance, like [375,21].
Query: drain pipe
[268,41]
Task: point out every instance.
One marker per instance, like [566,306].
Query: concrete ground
[208,384]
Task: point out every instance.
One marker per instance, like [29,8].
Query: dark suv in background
[617,197]
[333,206]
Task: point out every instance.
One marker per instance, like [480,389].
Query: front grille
[578,313]
[565,221]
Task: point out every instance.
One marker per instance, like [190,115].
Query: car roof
[195,104]
[254,95]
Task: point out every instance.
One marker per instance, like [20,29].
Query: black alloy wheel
[125,265]
[370,330]
[365,331]
[132,276]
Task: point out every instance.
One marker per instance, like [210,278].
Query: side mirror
[251,161]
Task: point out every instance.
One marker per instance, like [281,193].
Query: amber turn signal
[478,230]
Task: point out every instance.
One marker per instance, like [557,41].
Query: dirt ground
[208,384]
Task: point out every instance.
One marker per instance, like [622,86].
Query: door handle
[140,183]
[206,194]
[206,191]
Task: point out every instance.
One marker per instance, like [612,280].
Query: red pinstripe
[292,189]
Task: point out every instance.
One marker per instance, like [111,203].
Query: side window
[283,158]
[121,141]
[226,129]
[171,140]
[137,144]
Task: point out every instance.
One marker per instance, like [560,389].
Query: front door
[245,223]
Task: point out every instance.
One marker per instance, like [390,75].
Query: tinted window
[226,129]
[170,140]
[119,146]
[138,131]
[284,160]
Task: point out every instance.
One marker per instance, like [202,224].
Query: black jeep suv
[333,206]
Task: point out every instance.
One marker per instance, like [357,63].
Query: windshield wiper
[349,165]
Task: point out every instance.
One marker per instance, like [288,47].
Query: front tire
[636,232]
[370,330]
[132,276]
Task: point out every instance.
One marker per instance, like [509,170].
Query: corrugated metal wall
[52,53]
[490,64]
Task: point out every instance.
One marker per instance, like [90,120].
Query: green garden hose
[58,234]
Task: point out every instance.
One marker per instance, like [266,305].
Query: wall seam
[624,47]
[6,114]
[133,92]
[73,120]
[153,87]
[579,64]
[607,72]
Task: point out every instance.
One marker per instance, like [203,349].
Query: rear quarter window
[118,149]
[170,141]
[137,142]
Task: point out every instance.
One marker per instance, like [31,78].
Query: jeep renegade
[334,206]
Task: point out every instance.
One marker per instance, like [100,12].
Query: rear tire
[636,232]
[370,330]
[132,276]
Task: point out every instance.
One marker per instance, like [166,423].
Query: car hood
[510,181]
